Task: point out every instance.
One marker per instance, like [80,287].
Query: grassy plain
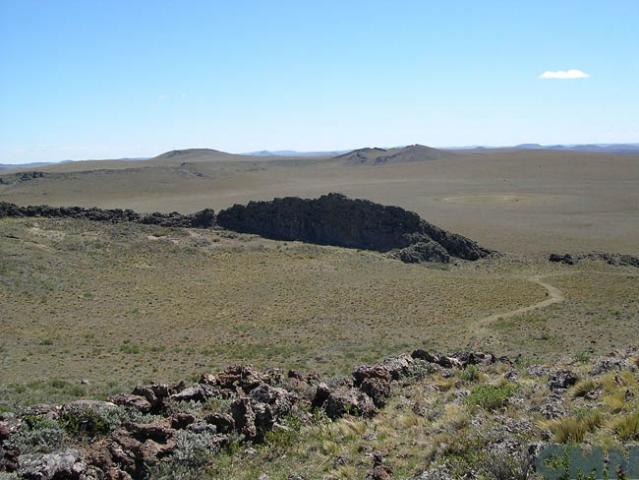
[117,305]
[518,201]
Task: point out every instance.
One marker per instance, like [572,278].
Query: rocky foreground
[487,417]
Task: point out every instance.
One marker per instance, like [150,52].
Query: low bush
[491,397]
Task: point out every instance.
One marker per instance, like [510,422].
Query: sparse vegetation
[491,397]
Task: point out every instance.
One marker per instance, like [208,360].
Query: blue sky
[104,79]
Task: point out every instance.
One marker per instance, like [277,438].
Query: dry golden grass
[128,303]
[122,304]
[516,201]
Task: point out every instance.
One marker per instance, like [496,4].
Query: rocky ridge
[614,259]
[332,219]
[133,435]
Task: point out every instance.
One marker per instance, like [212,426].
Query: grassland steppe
[92,309]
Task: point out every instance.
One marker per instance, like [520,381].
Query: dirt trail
[554,296]
[478,329]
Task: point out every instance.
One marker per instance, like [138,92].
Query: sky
[110,78]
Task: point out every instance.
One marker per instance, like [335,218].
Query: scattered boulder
[138,402]
[562,380]
[322,391]
[181,420]
[222,422]
[137,446]
[157,394]
[441,360]
[379,471]
[239,376]
[244,417]
[420,252]
[196,393]
[348,401]
[52,466]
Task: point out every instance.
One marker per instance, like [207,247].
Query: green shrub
[192,452]
[127,347]
[470,373]
[491,397]
[503,465]
[583,357]
[90,421]
[38,434]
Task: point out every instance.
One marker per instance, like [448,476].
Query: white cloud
[571,74]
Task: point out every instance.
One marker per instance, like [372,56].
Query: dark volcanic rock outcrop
[614,259]
[202,219]
[334,219]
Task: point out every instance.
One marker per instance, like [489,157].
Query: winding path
[554,295]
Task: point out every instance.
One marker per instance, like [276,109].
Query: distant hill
[594,147]
[193,155]
[295,153]
[9,166]
[381,156]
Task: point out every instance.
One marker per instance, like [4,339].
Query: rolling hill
[381,156]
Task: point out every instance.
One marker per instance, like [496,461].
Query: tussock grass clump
[627,427]
[575,428]
[584,387]
[491,397]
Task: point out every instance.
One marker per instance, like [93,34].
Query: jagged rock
[279,400]
[181,420]
[375,382]
[52,412]
[137,402]
[202,219]
[208,379]
[474,358]
[379,471]
[614,259]
[52,466]
[615,361]
[441,360]
[296,375]
[238,376]
[223,422]
[196,393]
[420,252]
[203,427]
[157,394]
[378,389]
[5,432]
[565,258]
[398,367]
[343,401]
[322,391]
[334,219]
[562,379]
[538,371]
[244,417]
[137,446]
